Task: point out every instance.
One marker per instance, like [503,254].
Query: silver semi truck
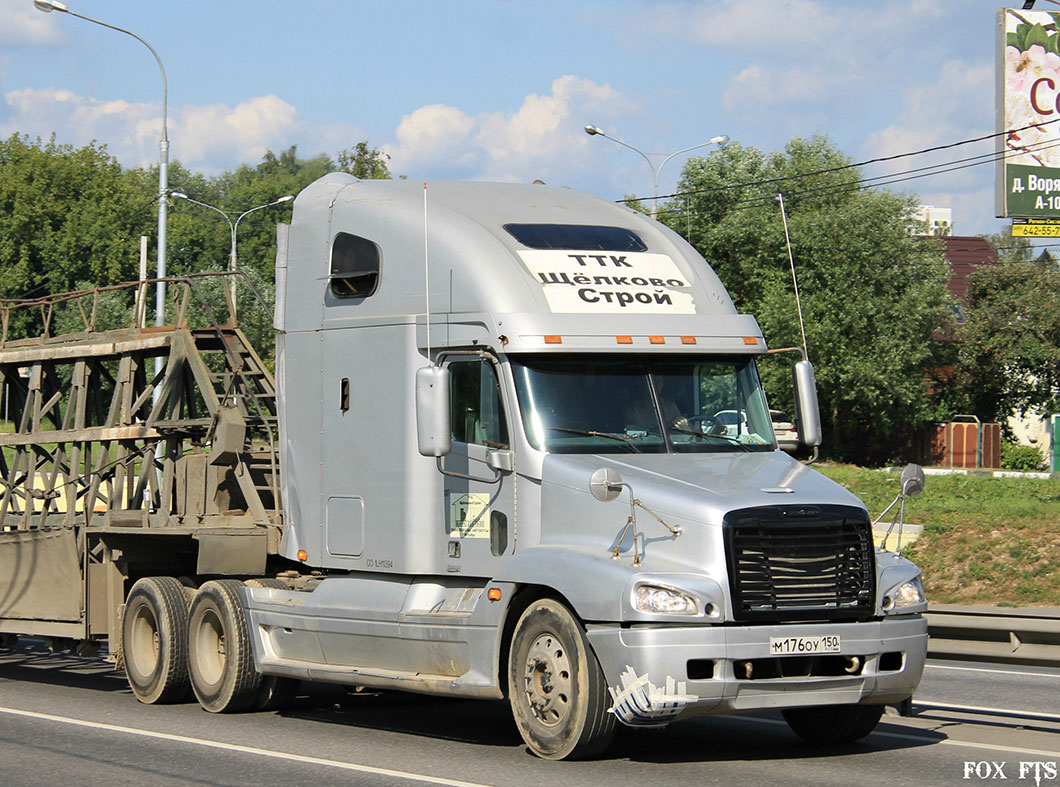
[516,446]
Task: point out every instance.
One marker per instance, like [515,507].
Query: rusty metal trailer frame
[116,471]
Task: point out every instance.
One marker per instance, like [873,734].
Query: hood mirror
[605,484]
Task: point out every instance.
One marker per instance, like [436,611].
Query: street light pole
[594,131]
[47,6]
[233,227]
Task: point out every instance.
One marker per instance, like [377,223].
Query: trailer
[516,446]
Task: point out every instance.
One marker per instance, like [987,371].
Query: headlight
[663,601]
[908,594]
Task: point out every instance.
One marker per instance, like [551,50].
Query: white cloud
[776,26]
[543,138]
[21,24]
[738,24]
[937,112]
[954,106]
[208,138]
[762,90]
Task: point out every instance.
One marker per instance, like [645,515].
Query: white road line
[925,739]
[1053,675]
[1023,714]
[299,758]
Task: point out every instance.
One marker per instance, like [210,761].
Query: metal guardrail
[1026,636]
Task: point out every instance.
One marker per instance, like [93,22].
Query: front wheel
[833,723]
[557,690]
[219,656]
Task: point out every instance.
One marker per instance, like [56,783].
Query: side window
[477,414]
[354,266]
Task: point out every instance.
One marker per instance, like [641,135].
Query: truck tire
[833,723]
[154,640]
[219,656]
[556,688]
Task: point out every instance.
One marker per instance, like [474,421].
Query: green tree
[67,215]
[1009,248]
[873,294]
[364,162]
[1009,345]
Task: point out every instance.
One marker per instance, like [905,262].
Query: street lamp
[233,227]
[47,6]
[594,131]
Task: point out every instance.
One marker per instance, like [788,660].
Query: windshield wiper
[622,438]
[733,440]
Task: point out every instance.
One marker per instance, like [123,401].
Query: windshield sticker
[594,282]
[469,515]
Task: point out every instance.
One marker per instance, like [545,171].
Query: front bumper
[658,674]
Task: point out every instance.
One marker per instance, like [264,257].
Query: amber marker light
[553,339]
[657,339]
[303,555]
[750,340]
[624,339]
[688,340]
[494,594]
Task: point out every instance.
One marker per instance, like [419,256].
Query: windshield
[642,404]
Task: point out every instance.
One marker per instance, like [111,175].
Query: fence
[1029,637]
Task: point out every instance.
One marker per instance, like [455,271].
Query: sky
[502,89]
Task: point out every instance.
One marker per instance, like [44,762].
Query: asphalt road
[68,720]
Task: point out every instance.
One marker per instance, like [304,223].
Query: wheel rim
[143,650]
[210,653]
[547,676]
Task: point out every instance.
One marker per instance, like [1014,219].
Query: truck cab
[525,452]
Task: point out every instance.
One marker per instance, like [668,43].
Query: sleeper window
[354,266]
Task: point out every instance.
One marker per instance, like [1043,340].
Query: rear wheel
[154,640]
[557,690]
[219,655]
[833,723]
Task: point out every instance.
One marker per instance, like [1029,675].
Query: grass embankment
[986,540]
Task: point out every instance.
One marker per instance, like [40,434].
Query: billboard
[1028,114]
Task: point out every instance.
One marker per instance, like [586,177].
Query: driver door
[479,483]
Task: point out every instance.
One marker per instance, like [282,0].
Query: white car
[785,431]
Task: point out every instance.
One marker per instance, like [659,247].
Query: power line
[781,179]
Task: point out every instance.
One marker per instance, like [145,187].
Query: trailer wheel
[219,656]
[833,723]
[154,644]
[556,687]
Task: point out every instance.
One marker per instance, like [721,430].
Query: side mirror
[912,480]
[433,430]
[605,484]
[806,409]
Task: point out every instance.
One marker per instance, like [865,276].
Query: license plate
[785,646]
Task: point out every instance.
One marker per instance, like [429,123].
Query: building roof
[965,253]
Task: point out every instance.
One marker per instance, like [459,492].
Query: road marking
[995,671]
[924,739]
[299,758]
[1022,714]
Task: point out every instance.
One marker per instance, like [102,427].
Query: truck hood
[703,487]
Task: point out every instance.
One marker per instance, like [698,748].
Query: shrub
[1025,458]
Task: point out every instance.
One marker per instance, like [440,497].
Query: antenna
[426,273]
[794,280]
